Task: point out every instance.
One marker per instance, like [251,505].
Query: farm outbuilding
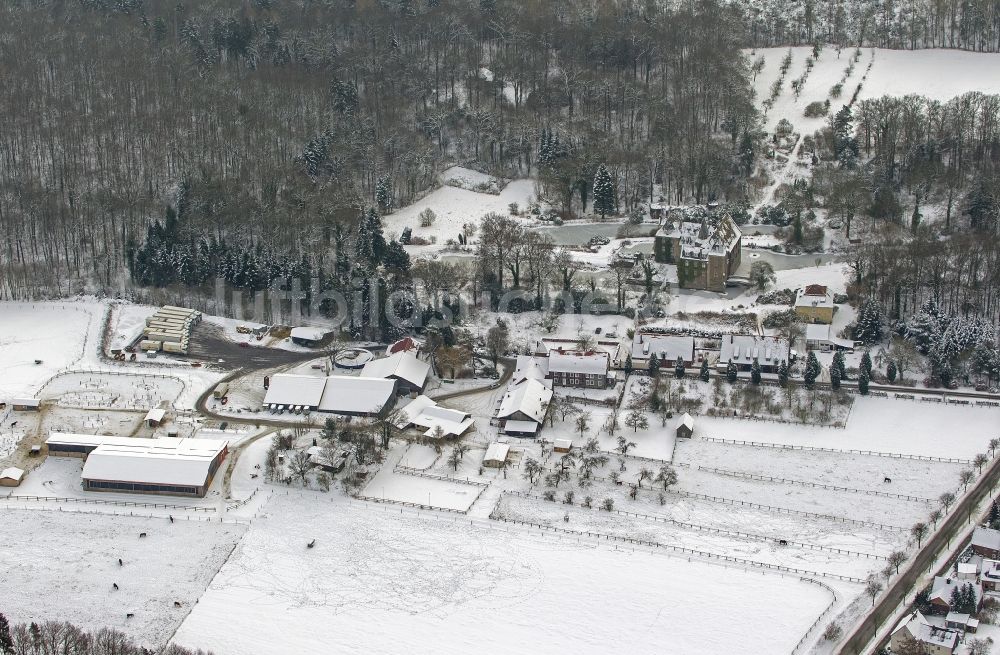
[11,477]
[336,394]
[410,372]
[496,455]
[154,417]
[307,336]
[181,467]
[685,426]
[562,445]
[25,404]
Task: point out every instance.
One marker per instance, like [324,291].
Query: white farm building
[336,394]
[166,465]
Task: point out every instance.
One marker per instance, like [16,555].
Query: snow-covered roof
[664,346]
[687,421]
[551,344]
[12,473]
[26,402]
[743,349]
[424,412]
[403,365]
[712,235]
[814,295]
[943,586]
[156,415]
[530,368]
[562,444]
[822,333]
[967,568]
[308,333]
[529,397]
[922,630]
[154,461]
[295,390]
[520,427]
[344,394]
[986,538]
[577,363]
[496,452]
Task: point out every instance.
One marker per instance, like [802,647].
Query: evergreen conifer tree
[834,378]
[863,383]
[783,373]
[628,364]
[704,374]
[866,364]
[383,193]
[731,371]
[654,365]
[755,371]
[604,192]
[679,367]
[813,369]
[891,371]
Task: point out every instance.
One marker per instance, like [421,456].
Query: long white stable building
[336,394]
[165,465]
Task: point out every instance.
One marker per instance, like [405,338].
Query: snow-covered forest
[269,124]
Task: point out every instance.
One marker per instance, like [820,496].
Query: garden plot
[418,490]
[888,425]
[764,551]
[135,392]
[53,335]
[381,581]
[919,478]
[61,566]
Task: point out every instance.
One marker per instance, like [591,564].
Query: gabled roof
[743,349]
[496,452]
[156,414]
[687,421]
[425,413]
[986,538]
[943,586]
[530,368]
[585,364]
[153,461]
[402,365]
[529,397]
[664,346]
[12,473]
[345,394]
[920,629]
[295,390]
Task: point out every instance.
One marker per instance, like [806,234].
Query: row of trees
[966,24]
[52,637]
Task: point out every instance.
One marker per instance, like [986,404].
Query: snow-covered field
[62,565]
[910,427]
[454,207]
[55,334]
[385,581]
[938,74]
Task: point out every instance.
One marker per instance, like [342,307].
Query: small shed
[562,445]
[154,417]
[25,404]
[685,426]
[496,455]
[11,477]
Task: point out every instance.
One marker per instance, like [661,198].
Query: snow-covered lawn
[386,581]
[62,565]
[891,425]
[454,207]
[55,334]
